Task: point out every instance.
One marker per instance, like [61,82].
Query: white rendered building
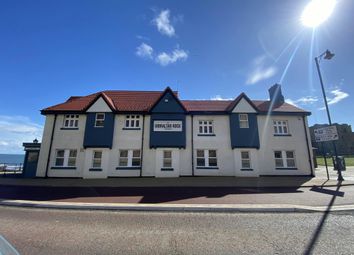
[154,133]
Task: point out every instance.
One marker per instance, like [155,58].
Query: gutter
[308,147]
[192,145]
[50,145]
[142,148]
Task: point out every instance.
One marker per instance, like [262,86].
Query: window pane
[136,153]
[205,129]
[137,123]
[275,130]
[123,161]
[243,124]
[71,123]
[76,123]
[277,154]
[66,123]
[243,117]
[123,153]
[96,163]
[212,153]
[167,154]
[200,153]
[127,123]
[73,153]
[290,154]
[167,163]
[244,154]
[136,162]
[99,123]
[279,163]
[60,153]
[100,116]
[212,162]
[200,162]
[210,129]
[97,154]
[72,162]
[59,162]
[290,162]
[246,163]
[200,129]
[285,130]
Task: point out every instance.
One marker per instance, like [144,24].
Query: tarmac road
[41,231]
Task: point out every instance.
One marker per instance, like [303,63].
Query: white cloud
[302,100]
[162,22]
[165,59]
[144,51]
[220,98]
[14,130]
[338,96]
[260,71]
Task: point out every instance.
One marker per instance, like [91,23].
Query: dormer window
[132,121]
[99,121]
[243,119]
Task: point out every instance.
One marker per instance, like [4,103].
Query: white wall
[269,143]
[221,142]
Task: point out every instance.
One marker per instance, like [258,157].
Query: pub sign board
[167,126]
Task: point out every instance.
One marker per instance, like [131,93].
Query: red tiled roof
[142,101]
[206,105]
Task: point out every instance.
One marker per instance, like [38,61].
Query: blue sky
[50,50]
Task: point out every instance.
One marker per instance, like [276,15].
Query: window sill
[286,168]
[95,169]
[69,128]
[207,167]
[282,134]
[64,167]
[167,169]
[128,168]
[127,128]
[206,135]
[246,169]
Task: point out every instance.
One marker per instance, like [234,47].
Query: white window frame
[71,121]
[167,159]
[245,122]
[206,158]
[132,121]
[100,119]
[130,157]
[94,158]
[285,159]
[246,159]
[281,127]
[206,127]
[66,158]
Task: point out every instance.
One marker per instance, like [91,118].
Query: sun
[317,11]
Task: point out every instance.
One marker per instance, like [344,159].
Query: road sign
[326,134]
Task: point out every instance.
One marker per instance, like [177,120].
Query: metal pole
[340,177]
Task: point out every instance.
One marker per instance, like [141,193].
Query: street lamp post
[328,55]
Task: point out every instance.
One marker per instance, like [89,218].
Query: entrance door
[30,164]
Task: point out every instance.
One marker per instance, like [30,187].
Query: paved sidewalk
[184,194]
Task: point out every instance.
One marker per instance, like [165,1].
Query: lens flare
[317,11]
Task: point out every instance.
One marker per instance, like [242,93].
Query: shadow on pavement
[311,245]
[125,194]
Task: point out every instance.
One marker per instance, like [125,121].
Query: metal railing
[10,168]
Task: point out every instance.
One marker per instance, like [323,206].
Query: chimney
[275,94]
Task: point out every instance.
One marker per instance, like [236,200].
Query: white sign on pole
[326,134]
[168,125]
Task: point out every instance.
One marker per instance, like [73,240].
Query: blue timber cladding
[99,137]
[244,137]
[169,109]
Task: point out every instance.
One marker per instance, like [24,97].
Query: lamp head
[328,55]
